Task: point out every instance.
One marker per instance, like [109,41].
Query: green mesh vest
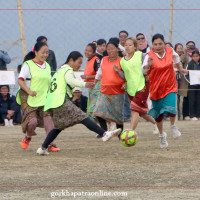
[40,80]
[57,90]
[133,74]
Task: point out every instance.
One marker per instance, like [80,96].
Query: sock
[50,138]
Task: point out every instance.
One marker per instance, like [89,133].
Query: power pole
[21,27]
[171,20]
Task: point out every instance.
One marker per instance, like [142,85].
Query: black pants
[194,100]
[185,107]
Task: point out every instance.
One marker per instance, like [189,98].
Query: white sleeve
[145,63]
[72,81]
[176,58]
[25,72]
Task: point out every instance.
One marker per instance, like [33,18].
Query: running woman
[158,64]
[34,79]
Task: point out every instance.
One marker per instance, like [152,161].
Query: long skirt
[67,115]
[29,113]
[92,99]
[110,107]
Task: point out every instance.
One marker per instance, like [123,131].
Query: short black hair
[40,38]
[115,40]
[123,32]
[170,44]
[101,41]
[74,55]
[158,36]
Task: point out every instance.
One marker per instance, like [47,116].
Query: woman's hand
[124,86]
[150,61]
[32,93]
[116,68]
[83,76]
[89,85]
[183,71]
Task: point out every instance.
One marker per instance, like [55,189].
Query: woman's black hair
[39,45]
[158,36]
[170,44]
[40,38]
[113,43]
[93,46]
[101,41]
[115,40]
[195,52]
[176,45]
[74,55]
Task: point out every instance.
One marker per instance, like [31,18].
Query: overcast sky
[73,30]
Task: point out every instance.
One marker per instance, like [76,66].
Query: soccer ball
[128,138]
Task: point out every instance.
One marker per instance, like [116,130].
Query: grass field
[144,171]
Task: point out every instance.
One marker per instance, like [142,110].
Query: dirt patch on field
[142,171]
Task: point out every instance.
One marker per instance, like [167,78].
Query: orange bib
[111,82]
[162,76]
[89,68]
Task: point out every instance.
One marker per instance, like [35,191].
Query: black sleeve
[97,64]
[84,100]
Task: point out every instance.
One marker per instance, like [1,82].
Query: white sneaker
[187,118]
[10,122]
[176,133]
[40,151]
[163,141]
[6,122]
[155,129]
[194,119]
[109,134]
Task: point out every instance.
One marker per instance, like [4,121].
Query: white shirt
[25,73]
[121,47]
[176,60]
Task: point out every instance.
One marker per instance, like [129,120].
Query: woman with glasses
[142,43]
[159,66]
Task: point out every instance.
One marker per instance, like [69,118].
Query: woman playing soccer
[137,85]
[158,64]
[64,112]
[34,80]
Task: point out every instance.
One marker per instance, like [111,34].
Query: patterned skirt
[110,107]
[28,112]
[92,99]
[67,115]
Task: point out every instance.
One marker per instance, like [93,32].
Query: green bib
[40,80]
[57,90]
[133,74]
